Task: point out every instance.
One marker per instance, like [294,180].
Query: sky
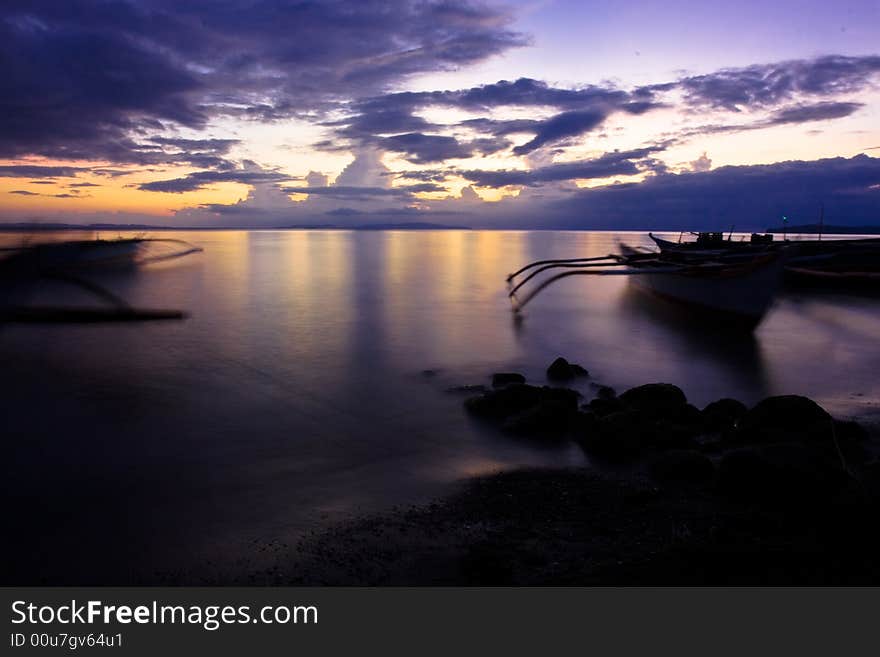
[524,114]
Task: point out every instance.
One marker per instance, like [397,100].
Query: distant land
[829,229]
[31,226]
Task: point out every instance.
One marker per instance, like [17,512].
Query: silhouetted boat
[844,262]
[716,243]
[28,266]
[73,255]
[736,289]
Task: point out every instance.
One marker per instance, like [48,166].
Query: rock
[606,392]
[618,437]
[682,465]
[469,389]
[561,370]
[678,427]
[787,418]
[785,472]
[519,397]
[548,419]
[566,396]
[506,378]
[503,402]
[604,407]
[851,437]
[667,435]
[686,415]
[583,423]
[723,414]
[871,480]
[655,398]
[741,474]
[850,431]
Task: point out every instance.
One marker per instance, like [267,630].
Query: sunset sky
[535,113]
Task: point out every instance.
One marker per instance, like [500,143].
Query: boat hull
[741,294]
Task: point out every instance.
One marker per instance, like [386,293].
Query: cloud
[390,121]
[426,149]
[765,85]
[316,179]
[87,80]
[701,164]
[561,126]
[35,171]
[749,197]
[74,194]
[365,170]
[200,179]
[616,163]
[348,192]
[815,112]
[791,115]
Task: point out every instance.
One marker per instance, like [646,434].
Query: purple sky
[568,114]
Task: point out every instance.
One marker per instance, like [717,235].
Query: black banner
[270,621]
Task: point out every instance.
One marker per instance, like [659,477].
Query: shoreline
[576,527]
[675,496]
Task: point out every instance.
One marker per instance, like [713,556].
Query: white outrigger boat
[734,288]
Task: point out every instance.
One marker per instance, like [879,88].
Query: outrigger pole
[537,263]
[583,267]
[565,265]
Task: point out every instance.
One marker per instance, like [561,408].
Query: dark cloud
[749,197]
[583,109]
[364,193]
[392,212]
[502,128]
[526,92]
[393,117]
[815,112]
[771,84]
[562,126]
[425,175]
[84,79]
[35,171]
[83,184]
[200,179]
[426,149]
[616,163]
[792,115]
[74,194]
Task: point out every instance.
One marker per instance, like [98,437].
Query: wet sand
[580,527]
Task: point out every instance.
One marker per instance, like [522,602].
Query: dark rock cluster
[561,370]
[784,448]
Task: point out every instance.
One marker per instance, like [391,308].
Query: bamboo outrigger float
[735,288]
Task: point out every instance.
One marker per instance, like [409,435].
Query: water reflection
[294,390]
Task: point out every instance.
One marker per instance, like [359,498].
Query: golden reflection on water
[297,383]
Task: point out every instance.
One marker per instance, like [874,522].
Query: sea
[316,379]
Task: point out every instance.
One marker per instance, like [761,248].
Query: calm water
[295,395]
